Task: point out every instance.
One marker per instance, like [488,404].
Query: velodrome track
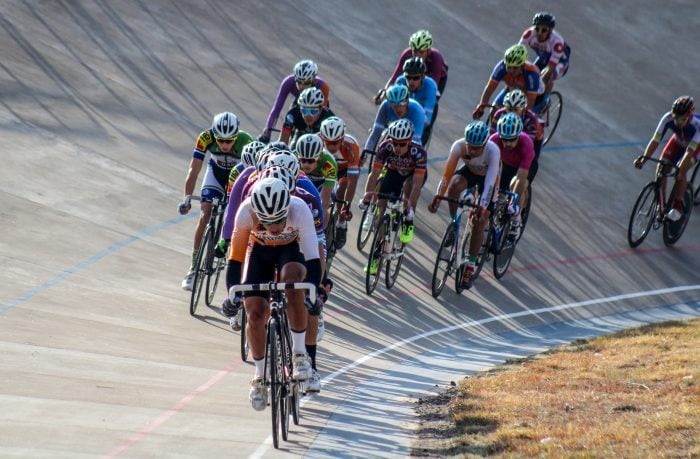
[101,103]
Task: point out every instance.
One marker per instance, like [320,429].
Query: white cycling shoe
[188,281]
[258,394]
[302,367]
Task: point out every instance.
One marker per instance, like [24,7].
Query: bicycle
[501,243]
[386,245]
[207,264]
[649,210]
[283,390]
[369,216]
[331,227]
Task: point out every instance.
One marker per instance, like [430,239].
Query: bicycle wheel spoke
[643,215]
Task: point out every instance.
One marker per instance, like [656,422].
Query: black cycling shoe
[341,237]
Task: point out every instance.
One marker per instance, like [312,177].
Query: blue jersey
[688,136]
[385,115]
[426,95]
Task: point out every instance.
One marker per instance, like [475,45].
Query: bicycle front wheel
[274,367]
[330,239]
[444,260]
[376,256]
[643,214]
[551,115]
[366,226]
[674,230]
[395,259]
[525,212]
[206,250]
[695,183]
[459,275]
[505,248]
[245,349]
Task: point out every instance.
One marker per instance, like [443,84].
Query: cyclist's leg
[673,152]
[458,183]
[480,221]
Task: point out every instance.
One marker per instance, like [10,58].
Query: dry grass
[632,394]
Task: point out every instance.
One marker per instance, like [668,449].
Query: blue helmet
[476,133]
[397,93]
[509,126]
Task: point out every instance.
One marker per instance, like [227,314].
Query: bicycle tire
[365,230]
[200,268]
[330,238]
[273,366]
[286,380]
[643,214]
[292,386]
[215,265]
[444,260]
[397,247]
[673,231]
[377,247]
[245,348]
[525,213]
[695,183]
[552,115]
[504,252]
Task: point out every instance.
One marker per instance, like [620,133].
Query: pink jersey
[521,156]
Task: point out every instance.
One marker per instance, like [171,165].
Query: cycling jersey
[553,52]
[486,164]
[347,157]
[385,115]
[414,161]
[295,125]
[532,125]
[233,175]
[687,137]
[435,64]
[287,87]
[521,156]
[528,81]
[426,95]
[326,172]
[207,143]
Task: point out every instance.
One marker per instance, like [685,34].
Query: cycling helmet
[509,126]
[261,160]
[270,199]
[305,70]
[332,129]
[414,66]
[397,93]
[250,151]
[280,173]
[421,41]
[225,125]
[515,99]
[400,129]
[544,18]
[310,97]
[309,146]
[683,105]
[476,133]
[515,56]
[286,159]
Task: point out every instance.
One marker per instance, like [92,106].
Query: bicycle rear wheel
[643,214]
[444,260]
[376,252]
[366,226]
[393,263]
[204,255]
[245,349]
[217,266]
[551,115]
[525,212]
[273,364]
[674,230]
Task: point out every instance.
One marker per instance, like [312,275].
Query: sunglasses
[304,82]
[333,142]
[400,143]
[306,111]
[510,141]
[400,104]
[307,160]
[413,77]
[276,222]
[542,29]
[226,141]
[510,68]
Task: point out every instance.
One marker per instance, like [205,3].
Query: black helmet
[683,106]
[544,18]
[414,66]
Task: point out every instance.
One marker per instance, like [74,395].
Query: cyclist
[224,141]
[306,117]
[403,159]
[398,105]
[517,153]
[304,75]
[346,152]
[274,229]
[420,45]
[552,51]
[516,72]
[319,166]
[480,167]
[248,159]
[516,102]
[422,89]
[682,148]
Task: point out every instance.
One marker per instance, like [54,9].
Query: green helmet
[421,41]
[515,56]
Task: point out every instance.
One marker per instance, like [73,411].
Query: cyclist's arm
[325,89]
[398,70]
[450,166]
[284,90]
[239,245]
[430,88]
[307,241]
[417,116]
[493,161]
[437,67]
[380,121]
[287,127]
[486,94]
[353,173]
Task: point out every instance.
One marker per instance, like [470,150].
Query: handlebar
[393,199]
[665,162]
[274,286]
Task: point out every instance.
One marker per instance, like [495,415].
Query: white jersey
[486,164]
[551,49]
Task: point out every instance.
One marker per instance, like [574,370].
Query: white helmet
[270,199]
[225,125]
[310,97]
[281,173]
[309,146]
[305,70]
[400,129]
[250,151]
[286,159]
[515,99]
[332,129]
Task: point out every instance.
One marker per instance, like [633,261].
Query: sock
[298,338]
[311,350]
[472,258]
[259,367]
